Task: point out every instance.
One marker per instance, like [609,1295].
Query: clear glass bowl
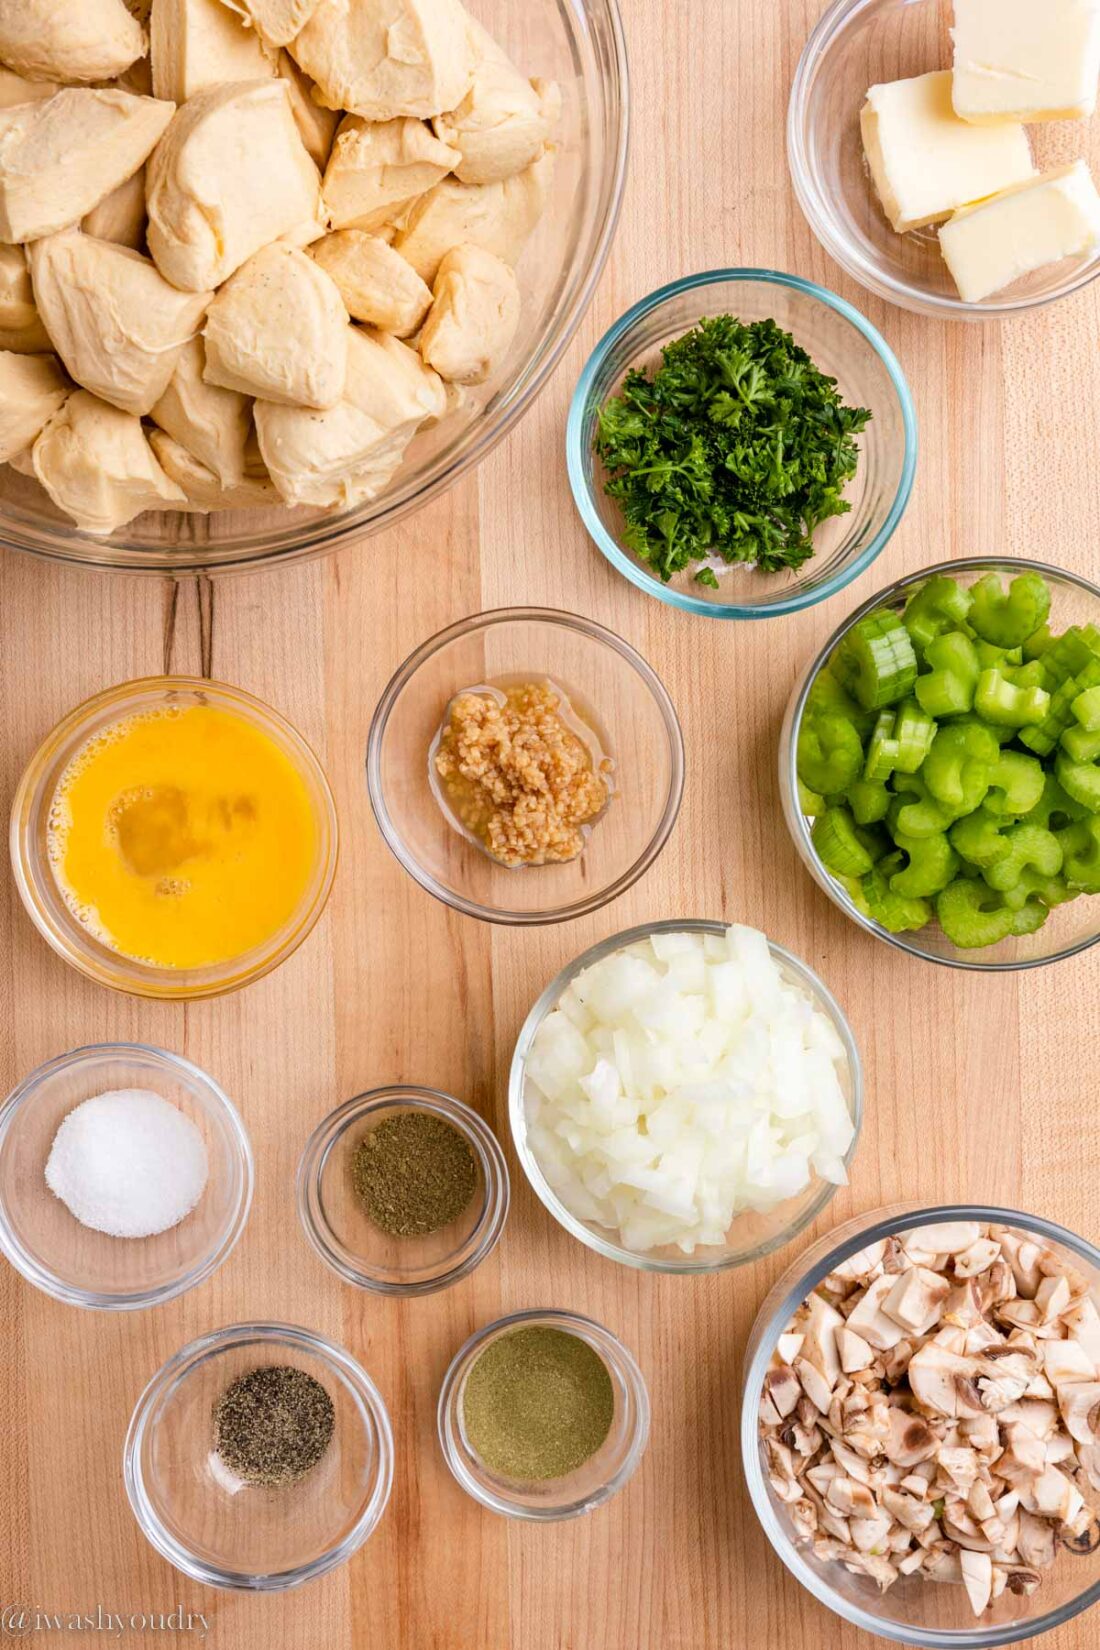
[345,1237]
[601,1476]
[38,887]
[580,44]
[637,726]
[1070,928]
[752,1234]
[935,1617]
[857,44]
[70,1261]
[223,1533]
[844,344]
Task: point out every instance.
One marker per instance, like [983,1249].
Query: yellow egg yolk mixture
[182,837]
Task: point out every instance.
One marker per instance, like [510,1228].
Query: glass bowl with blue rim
[844,345]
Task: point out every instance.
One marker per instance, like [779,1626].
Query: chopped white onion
[682,1081]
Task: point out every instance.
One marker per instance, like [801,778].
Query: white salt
[128,1163]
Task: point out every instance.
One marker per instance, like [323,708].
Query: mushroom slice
[1023,1257]
[1083,1537]
[963,1306]
[944,1382]
[868,1319]
[782,1391]
[1066,1361]
[916,1299]
[230,175]
[851,1499]
[32,389]
[205,491]
[979,1257]
[378,168]
[1082,1323]
[1023,1458]
[383,58]
[819,1332]
[116,323]
[853,1349]
[1079,1403]
[872,1564]
[212,424]
[1052,1496]
[194,44]
[473,318]
[60,158]
[814,1384]
[914,1514]
[68,40]
[497,216]
[910,1439]
[977,1574]
[949,1237]
[278,329]
[1053,1296]
[97,466]
[788,1347]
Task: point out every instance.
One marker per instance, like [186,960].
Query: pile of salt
[128,1163]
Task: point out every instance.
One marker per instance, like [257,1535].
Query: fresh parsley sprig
[737,447]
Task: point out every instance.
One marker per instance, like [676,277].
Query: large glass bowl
[844,344]
[580,44]
[911,1611]
[752,1234]
[1069,928]
[855,45]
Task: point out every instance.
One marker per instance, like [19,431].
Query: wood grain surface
[975,1087]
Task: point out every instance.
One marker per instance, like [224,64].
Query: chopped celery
[1016,785]
[932,863]
[948,687]
[1086,708]
[882,752]
[1029,847]
[838,846]
[1080,845]
[1001,701]
[958,770]
[978,838]
[869,801]
[830,753]
[1080,780]
[1008,620]
[940,604]
[875,661]
[896,912]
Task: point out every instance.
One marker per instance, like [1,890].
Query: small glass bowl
[603,675]
[227,1534]
[38,887]
[858,44]
[912,1611]
[844,344]
[601,1477]
[70,1261]
[1070,928]
[751,1235]
[345,1237]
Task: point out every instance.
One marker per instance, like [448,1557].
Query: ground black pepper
[538,1403]
[414,1173]
[273,1424]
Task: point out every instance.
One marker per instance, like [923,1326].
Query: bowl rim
[115,970]
[175,1370]
[819,216]
[349,527]
[788,757]
[796,602]
[132,1300]
[602,1340]
[475,1130]
[525,615]
[862,1230]
[689,1265]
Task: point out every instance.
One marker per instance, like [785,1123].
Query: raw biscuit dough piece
[377,168]
[211,423]
[21,328]
[14,89]
[32,389]
[473,318]
[384,58]
[341,457]
[204,490]
[194,44]
[497,216]
[60,158]
[69,40]
[316,125]
[504,122]
[120,216]
[97,466]
[376,283]
[230,176]
[114,320]
[278,329]
[278,21]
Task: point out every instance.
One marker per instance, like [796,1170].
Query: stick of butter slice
[925,161]
[1023,60]
[990,245]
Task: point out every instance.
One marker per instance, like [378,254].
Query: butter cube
[1025,59]
[990,245]
[925,161]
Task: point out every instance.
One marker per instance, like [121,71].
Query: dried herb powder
[414,1174]
[273,1424]
[538,1403]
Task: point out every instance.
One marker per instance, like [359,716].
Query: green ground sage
[414,1173]
[538,1403]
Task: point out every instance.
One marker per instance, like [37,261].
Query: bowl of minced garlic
[174,837]
[525,741]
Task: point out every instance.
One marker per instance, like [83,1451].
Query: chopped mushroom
[934,1409]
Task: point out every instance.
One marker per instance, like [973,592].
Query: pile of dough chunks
[249,247]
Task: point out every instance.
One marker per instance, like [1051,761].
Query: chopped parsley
[736,449]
